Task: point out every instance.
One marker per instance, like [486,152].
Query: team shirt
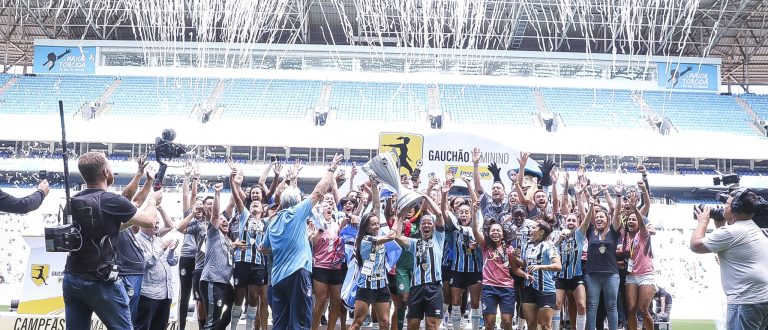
[250,231]
[188,247]
[373,271]
[328,250]
[198,229]
[448,253]
[522,235]
[641,254]
[218,257]
[426,257]
[287,237]
[571,249]
[466,259]
[601,251]
[541,253]
[491,209]
[496,266]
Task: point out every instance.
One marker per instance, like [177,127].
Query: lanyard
[597,233]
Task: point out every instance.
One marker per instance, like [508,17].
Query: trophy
[384,168]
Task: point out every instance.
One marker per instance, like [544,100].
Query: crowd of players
[525,254]
[533,254]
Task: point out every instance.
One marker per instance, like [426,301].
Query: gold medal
[424,266]
[602,249]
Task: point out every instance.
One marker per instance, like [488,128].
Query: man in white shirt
[742,248]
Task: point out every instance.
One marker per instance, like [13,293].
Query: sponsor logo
[408,148]
[39,273]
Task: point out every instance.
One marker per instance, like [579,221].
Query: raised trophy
[384,168]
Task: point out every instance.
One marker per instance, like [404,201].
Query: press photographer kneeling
[742,248]
[90,275]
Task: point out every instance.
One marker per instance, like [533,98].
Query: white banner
[451,151]
[41,286]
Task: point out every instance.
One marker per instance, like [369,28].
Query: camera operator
[91,274]
[742,248]
[26,204]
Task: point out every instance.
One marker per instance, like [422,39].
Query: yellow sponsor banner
[409,149]
[51,306]
[468,171]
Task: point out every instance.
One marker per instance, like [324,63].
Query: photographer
[26,204]
[90,274]
[743,251]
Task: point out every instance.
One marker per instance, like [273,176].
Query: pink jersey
[495,273]
[642,256]
[327,252]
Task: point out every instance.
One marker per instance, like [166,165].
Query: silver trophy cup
[384,168]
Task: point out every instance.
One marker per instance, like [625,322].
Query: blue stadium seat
[759,104]
[39,95]
[269,99]
[594,108]
[377,102]
[488,105]
[706,112]
[168,96]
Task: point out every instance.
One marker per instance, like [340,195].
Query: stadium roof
[735,31]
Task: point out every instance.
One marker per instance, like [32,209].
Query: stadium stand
[167,96]
[488,105]
[269,99]
[594,108]
[378,101]
[39,95]
[705,112]
[373,101]
[759,104]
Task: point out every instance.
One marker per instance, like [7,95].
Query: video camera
[717,213]
[726,179]
[165,148]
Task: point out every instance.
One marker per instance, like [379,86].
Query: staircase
[325,97]
[212,103]
[103,107]
[543,110]
[538,98]
[9,84]
[648,112]
[213,100]
[433,103]
[323,104]
[756,121]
